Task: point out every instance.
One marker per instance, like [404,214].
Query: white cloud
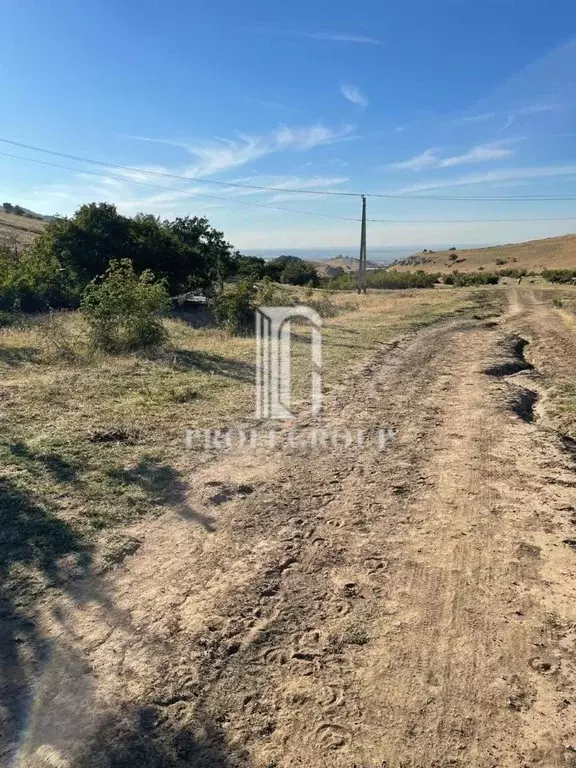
[354,94]
[218,154]
[512,174]
[481,153]
[531,109]
[482,118]
[337,37]
[427,159]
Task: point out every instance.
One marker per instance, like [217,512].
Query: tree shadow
[60,469]
[163,485]
[18,355]
[216,364]
[32,545]
[144,736]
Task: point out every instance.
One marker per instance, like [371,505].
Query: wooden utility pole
[362,260]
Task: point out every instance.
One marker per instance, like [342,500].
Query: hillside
[20,230]
[329,267]
[549,253]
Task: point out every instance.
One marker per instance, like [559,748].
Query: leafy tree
[188,253]
[291,269]
[8,207]
[251,267]
[208,257]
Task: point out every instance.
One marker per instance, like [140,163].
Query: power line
[180,191]
[465,221]
[175,176]
[341,193]
[277,208]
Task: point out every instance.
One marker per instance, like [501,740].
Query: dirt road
[412,606]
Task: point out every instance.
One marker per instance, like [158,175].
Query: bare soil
[407,607]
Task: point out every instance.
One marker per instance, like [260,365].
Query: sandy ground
[406,607]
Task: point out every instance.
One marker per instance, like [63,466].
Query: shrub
[463,279]
[384,279]
[234,307]
[559,275]
[123,309]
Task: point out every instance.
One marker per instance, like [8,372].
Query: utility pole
[362,260]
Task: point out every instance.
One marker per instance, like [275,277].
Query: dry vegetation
[536,255]
[19,229]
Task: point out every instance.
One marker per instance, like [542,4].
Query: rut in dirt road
[408,607]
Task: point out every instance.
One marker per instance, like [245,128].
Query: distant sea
[383,255]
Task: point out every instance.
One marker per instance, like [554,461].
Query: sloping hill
[346,263]
[19,230]
[536,255]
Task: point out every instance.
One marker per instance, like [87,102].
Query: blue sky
[454,97]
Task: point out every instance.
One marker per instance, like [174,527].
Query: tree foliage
[187,252]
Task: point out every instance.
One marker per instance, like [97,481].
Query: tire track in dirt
[360,607]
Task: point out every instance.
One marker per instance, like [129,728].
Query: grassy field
[91,443]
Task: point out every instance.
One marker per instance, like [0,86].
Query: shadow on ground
[164,486]
[217,364]
[143,736]
[18,355]
[33,544]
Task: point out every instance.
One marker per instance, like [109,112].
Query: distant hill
[534,255]
[328,267]
[20,229]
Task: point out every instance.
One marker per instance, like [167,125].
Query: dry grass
[534,255]
[93,442]
[19,230]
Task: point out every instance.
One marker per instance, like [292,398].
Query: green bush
[234,308]
[463,279]
[559,275]
[123,309]
[384,279]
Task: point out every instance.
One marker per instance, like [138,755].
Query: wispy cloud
[482,118]
[511,174]
[481,153]
[354,94]
[427,159]
[338,37]
[531,109]
[219,154]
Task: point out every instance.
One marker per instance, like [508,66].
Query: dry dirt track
[411,607]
